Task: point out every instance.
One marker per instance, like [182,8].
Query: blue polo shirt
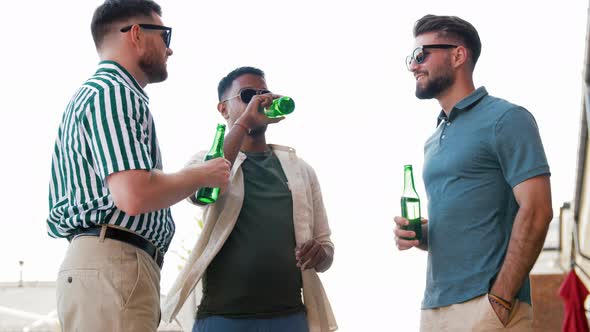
[472,162]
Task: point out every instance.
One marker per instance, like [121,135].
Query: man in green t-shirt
[266,237]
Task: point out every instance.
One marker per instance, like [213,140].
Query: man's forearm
[153,190]
[526,241]
[233,142]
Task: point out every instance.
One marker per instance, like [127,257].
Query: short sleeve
[518,146]
[117,133]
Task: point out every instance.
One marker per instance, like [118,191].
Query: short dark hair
[452,27]
[113,11]
[227,81]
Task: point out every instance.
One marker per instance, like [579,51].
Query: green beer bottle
[209,195]
[411,205]
[280,107]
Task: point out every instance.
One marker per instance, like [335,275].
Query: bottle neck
[217,147]
[409,190]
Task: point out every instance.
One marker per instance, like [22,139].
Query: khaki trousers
[476,315]
[107,285]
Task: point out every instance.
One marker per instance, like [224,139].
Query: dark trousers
[291,323]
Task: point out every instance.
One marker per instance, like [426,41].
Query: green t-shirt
[255,273]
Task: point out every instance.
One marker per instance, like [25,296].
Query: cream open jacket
[309,219]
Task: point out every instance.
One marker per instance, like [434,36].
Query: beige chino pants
[107,285]
[476,315]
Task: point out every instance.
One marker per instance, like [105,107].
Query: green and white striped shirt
[107,127]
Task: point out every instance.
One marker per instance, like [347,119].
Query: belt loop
[103,233]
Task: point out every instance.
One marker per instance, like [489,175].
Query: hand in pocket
[502,313]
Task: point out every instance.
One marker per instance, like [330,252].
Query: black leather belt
[123,236]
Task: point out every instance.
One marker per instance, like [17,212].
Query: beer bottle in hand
[411,205]
[209,195]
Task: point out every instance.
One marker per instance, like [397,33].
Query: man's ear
[460,56]
[222,108]
[135,35]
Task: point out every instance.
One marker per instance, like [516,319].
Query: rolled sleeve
[321,227]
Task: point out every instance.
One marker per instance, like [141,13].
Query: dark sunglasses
[247,94]
[166,31]
[419,54]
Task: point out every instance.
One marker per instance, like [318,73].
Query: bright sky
[357,120]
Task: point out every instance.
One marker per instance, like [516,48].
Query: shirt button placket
[444,135]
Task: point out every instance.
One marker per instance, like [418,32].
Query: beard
[435,86]
[153,67]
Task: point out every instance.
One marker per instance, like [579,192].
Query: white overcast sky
[357,120]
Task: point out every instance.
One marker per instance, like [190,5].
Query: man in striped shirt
[108,195]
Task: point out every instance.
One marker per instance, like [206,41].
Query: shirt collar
[463,105]
[116,69]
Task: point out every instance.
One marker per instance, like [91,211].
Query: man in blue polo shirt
[487,182]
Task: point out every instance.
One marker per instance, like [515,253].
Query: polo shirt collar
[116,69]
[463,105]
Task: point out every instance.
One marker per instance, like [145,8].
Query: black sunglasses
[247,94]
[419,54]
[166,33]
